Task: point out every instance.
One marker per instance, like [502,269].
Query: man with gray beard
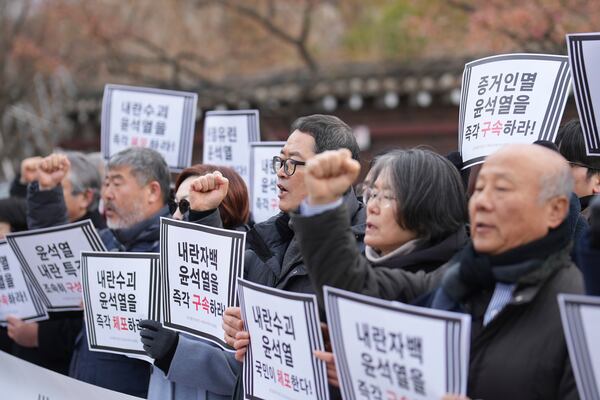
[135,194]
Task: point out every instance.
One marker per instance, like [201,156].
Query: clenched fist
[29,169]
[329,175]
[208,191]
[52,170]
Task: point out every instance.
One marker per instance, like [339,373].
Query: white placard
[584,56]
[580,317]
[263,191]
[285,332]
[162,120]
[395,351]
[119,290]
[17,296]
[510,99]
[227,138]
[200,266]
[50,257]
[22,380]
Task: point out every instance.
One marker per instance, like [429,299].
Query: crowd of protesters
[498,241]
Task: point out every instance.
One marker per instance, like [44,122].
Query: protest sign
[285,332]
[391,350]
[263,190]
[17,296]
[163,120]
[23,380]
[584,56]
[119,290]
[510,99]
[581,323]
[50,259]
[227,137]
[200,266]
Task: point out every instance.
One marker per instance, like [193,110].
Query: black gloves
[159,343]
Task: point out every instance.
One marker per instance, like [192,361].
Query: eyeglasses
[383,199]
[183,205]
[289,165]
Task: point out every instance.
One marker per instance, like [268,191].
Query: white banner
[119,290]
[21,380]
[17,296]
[227,137]
[285,332]
[163,120]
[391,350]
[263,191]
[584,56]
[50,258]
[581,322]
[510,99]
[200,266]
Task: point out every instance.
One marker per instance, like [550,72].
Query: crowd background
[390,68]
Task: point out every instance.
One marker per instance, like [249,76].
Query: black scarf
[474,271]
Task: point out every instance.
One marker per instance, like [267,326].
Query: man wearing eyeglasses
[585,169]
[272,255]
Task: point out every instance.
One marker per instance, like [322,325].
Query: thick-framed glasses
[384,199]
[289,165]
[183,205]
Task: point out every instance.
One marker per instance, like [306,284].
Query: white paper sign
[50,258]
[581,322]
[21,380]
[265,202]
[510,99]
[227,137]
[162,120]
[285,331]
[200,266]
[392,350]
[17,296]
[119,290]
[584,56]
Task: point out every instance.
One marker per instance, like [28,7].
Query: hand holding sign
[52,170]
[23,333]
[158,341]
[208,191]
[329,175]
[235,336]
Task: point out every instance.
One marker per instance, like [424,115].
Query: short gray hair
[146,165]
[558,182]
[84,176]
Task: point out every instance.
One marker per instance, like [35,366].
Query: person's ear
[558,209]
[596,183]
[154,192]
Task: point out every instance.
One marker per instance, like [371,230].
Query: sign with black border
[427,350]
[50,258]
[200,266]
[119,290]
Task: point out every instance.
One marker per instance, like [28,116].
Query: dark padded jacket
[111,371]
[520,354]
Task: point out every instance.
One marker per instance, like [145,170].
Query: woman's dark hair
[430,198]
[235,208]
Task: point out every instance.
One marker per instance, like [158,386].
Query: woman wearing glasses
[416,215]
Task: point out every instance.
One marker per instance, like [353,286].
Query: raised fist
[208,191]
[29,169]
[329,175]
[52,170]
